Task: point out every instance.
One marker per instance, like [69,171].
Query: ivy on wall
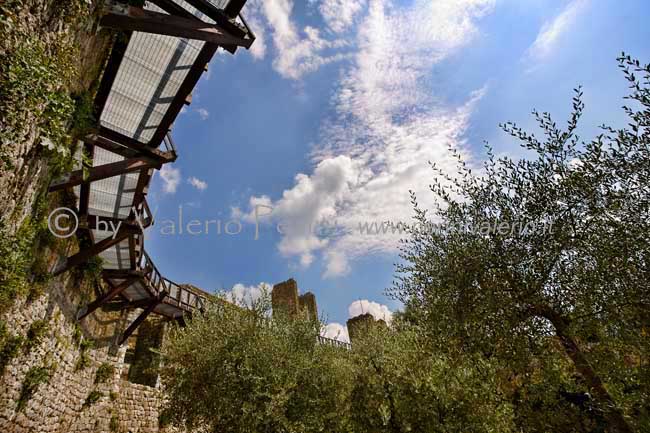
[39,65]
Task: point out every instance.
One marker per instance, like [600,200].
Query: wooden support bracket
[105,298]
[137,19]
[141,318]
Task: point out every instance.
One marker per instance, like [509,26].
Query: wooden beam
[132,253]
[84,192]
[119,306]
[128,150]
[192,77]
[120,138]
[96,222]
[104,171]
[137,19]
[173,8]
[111,274]
[103,299]
[220,17]
[89,252]
[225,22]
[234,7]
[141,318]
[120,44]
[140,189]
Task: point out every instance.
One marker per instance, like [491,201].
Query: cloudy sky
[290,150]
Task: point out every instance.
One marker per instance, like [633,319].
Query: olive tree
[239,370]
[547,255]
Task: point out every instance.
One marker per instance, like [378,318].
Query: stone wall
[25,172]
[285,298]
[359,325]
[308,305]
[85,390]
[66,376]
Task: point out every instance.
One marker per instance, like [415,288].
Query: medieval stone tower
[285,298]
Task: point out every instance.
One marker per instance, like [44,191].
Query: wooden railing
[157,284]
[184,298]
[331,342]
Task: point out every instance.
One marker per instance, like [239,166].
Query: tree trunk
[613,415]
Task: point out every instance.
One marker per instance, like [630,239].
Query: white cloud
[298,51]
[197,183]
[171,178]
[552,31]
[340,14]
[203,113]
[336,331]
[378,311]
[312,200]
[386,129]
[253,15]
[243,295]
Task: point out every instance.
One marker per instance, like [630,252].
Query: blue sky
[333,114]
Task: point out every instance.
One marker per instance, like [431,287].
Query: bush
[34,377]
[84,358]
[104,372]
[10,346]
[92,398]
[114,424]
[35,334]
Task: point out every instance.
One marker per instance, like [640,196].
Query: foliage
[401,385]
[235,370]
[92,398]
[104,372]
[563,278]
[35,333]
[38,67]
[10,346]
[35,376]
[91,269]
[84,358]
[114,424]
[17,257]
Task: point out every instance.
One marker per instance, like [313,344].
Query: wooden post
[133,326]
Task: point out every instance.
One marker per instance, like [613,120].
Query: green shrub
[35,334]
[114,424]
[84,358]
[104,372]
[92,398]
[23,270]
[35,376]
[10,346]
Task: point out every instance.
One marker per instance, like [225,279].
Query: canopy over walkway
[159,54]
